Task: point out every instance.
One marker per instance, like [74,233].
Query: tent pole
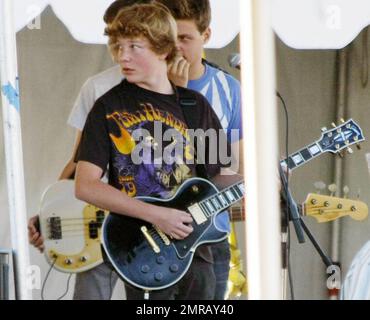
[341,112]
[260,151]
[13,150]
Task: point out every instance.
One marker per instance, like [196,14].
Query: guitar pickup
[197,214]
[93,229]
[100,215]
[55,228]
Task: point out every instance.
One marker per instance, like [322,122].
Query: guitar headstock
[327,208]
[341,137]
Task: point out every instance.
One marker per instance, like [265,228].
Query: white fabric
[356,285]
[83,18]
[319,24]
[92,89]
[303,24]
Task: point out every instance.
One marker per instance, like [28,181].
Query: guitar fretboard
[222,200]
[302,156]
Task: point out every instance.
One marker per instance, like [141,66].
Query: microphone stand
[293,214]
[292,207]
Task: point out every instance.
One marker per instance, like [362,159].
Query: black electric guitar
[148,259]
[333,141]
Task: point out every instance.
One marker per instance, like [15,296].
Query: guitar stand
[299,226]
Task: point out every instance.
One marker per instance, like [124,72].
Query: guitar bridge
[151,241]
[197,214]
[162,235]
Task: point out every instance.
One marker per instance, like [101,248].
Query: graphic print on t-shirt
[137,136]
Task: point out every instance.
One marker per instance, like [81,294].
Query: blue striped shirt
[223,93]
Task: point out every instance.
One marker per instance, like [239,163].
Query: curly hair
[152,21]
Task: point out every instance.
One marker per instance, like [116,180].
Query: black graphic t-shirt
[125,131]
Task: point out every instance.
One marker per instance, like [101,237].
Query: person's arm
[91,189]
[235,123]
[70,167]
[34,236]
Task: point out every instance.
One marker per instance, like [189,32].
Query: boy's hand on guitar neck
[175,223]
[34,236]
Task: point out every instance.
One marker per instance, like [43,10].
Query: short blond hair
[151,21]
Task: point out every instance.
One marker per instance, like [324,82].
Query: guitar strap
[188,104]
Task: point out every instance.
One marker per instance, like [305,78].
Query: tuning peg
[319,185]
[358,146]
[333,189]
[333,125]
[358,193]
[345,191]
[349,150]
[323,129]
[342,120]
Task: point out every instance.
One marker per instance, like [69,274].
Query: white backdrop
[89,29]
[304,24]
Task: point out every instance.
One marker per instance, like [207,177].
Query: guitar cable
[286,254]
[46,278]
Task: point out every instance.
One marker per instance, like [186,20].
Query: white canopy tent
[304,24]
[89,29]
[307,25]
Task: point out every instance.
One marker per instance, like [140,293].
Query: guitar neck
[223,199]
[302,156]
[234,193]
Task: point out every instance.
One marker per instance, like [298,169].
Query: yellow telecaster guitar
[71,229]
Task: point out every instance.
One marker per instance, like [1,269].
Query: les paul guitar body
[148,259]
